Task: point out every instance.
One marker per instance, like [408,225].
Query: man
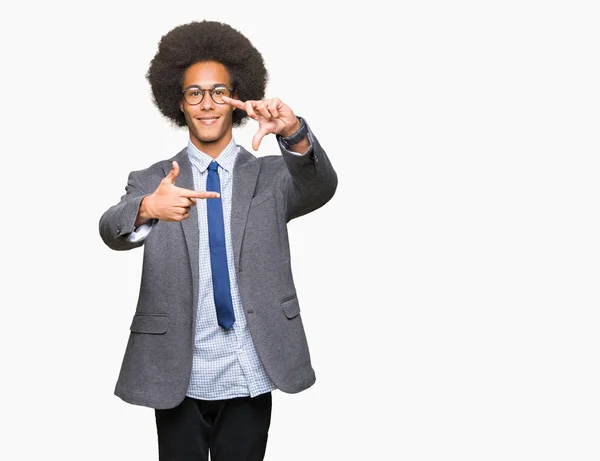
[217,326]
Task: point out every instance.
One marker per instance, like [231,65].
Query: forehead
[206,73]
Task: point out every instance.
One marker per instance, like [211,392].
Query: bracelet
[299,135]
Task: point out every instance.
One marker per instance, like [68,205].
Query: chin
[208,139]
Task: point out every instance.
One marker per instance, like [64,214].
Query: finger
[234,102]
[199,194]
[258,138]
[185,202]
[181,213]
[249,109]
[273,105]
[170,178]
[263,110]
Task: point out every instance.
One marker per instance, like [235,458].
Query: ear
[181,105]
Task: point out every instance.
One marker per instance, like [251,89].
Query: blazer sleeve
[119,220]
[310,180]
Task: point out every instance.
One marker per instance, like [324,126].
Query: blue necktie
[218,253]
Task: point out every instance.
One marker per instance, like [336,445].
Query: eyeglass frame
[203,91]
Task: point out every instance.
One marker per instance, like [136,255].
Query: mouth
[207,121]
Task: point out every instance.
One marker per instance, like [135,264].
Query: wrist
[144,214]
[298,135]
[290,131]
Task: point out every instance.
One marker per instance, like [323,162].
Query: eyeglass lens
[193,96]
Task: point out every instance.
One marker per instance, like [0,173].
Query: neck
[212,148]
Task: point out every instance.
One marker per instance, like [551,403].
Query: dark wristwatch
[299,135]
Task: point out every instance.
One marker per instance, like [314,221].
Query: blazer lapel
[245,175]
[190,225]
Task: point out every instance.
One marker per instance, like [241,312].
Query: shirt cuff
[141,232]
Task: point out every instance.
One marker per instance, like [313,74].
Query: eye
[219,91]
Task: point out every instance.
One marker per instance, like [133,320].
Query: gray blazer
[267,193]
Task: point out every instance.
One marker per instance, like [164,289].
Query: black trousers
[232,429]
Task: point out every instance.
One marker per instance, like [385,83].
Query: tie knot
[213,166]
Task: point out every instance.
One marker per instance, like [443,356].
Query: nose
[207,102]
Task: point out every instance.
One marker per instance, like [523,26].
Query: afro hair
[195,42]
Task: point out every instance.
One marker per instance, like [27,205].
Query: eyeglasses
[194,95]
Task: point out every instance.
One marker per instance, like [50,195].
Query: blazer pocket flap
[291,307]
[155,324]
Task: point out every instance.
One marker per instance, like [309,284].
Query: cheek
[229,112]
[188,112]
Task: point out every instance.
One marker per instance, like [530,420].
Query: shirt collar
[226,159]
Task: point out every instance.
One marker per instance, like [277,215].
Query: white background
[449,289]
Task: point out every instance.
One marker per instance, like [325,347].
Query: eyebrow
[198,86]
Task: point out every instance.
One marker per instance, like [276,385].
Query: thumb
[170,178]
[261,133]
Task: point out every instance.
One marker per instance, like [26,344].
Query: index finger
[234,102]
[199,194]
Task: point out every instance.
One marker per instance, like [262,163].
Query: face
[209,123]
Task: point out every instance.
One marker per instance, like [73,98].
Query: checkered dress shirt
[225,364]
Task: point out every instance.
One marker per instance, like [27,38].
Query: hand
[272,115]
[169,202]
